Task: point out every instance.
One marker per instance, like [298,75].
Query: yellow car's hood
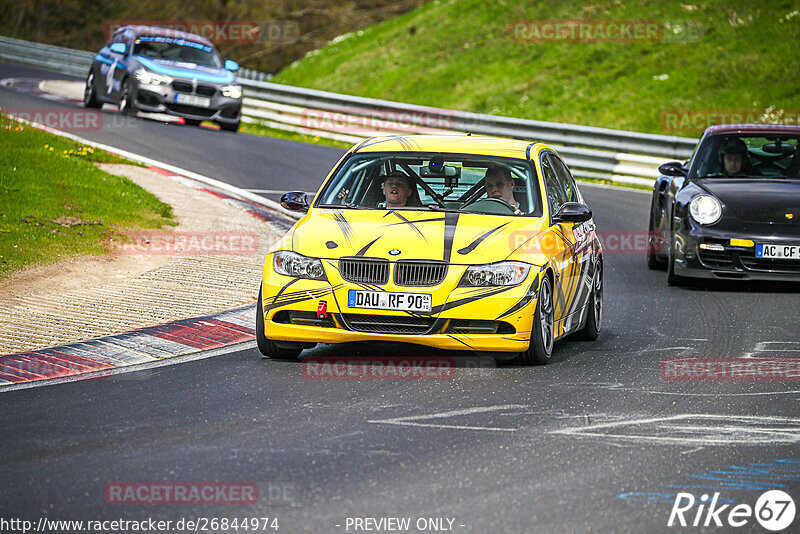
[458,238]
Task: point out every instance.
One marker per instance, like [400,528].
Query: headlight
[232,91]
[505,273]
[705,209]
[291,264]
[145,77]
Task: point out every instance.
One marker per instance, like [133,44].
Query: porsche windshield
[758,156]
[178,50]
[467,183]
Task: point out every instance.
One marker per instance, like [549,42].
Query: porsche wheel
[267,347]
[672,278]
[654,261]
[543,331]
[89,96]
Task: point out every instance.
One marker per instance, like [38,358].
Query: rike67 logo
[774,510]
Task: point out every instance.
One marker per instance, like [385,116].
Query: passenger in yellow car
[397,189]
[500,184]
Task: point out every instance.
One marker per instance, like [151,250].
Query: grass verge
[55,203]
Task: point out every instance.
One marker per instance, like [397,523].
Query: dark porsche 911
[732,211]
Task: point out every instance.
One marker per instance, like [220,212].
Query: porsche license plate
[388,300]
[191,100]
[783,252]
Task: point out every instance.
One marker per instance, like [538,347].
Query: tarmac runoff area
[211,262]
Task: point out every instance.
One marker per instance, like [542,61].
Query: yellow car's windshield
[457,182]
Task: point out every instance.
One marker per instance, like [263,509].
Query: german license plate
[192,100]
[389,300]
[783,252]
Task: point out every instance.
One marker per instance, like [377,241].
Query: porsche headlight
[505,273]
[232,91]
[145,77]
[705,209]
[291,264]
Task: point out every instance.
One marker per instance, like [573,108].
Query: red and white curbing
[144,345]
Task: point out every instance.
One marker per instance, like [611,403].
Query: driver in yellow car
[396,189]
[500,184]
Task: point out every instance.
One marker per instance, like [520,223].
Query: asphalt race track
[595,441]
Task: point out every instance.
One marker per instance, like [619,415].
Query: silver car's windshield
[446,182]
[177,50]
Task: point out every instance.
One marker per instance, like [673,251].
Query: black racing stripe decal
[411,224]
[469,248]
[301,296]
[417,221]
[366,247]
[450,223]
[466,300]
[284,288]
[521,303]
[460,341]
[344,226]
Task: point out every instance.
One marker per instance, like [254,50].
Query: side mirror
[231,65]
[295,201]
[119,48]
[673,168]
[573,212]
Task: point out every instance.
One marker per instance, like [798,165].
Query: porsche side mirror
[573,212]
[231,65]
[119,48]
[295,201]
[673,168]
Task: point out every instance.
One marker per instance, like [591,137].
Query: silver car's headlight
[705,209]
[232,91]
[145,77]
[291,264]
[505,273]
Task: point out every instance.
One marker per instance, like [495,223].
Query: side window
[566,179]
[556,196]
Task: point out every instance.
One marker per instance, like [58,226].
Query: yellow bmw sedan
[457,242]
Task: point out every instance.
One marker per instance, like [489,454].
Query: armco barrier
[591,152]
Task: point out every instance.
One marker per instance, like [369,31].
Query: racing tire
[228,127]
[594,319]
[543,331]
[672,278]
[192,122]
[654,261]
[267,347]
[89,95]
[126,105]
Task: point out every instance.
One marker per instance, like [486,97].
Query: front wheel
[654,261]
[266,346]
[543,331]
[672,278]
[591,329]
[126,105]
[89,95]
[228,127]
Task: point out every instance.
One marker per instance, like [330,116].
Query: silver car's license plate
[389,300]
[783,252]
[192,100]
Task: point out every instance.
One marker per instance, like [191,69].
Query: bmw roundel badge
[394,252]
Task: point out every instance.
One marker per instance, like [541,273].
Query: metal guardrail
[591,152]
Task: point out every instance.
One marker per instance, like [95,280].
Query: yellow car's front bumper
[452,323]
